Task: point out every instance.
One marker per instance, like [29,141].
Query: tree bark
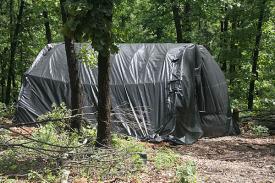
[3,74]
[255,56]
[47,27]
[187,26]
[11,19]
[224,30]
[14,42]
[104,100]
[177,20]
[233,51]
[73,75]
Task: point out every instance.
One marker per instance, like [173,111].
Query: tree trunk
[233,51]
[159,33]
[3,74]
[13,47]
[187,26]
[47,27]
[11,19]
[255,56]
[1,4]
[224,30]
[176,16]
[73,75]
[104,99]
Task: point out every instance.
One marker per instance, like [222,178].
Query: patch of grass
[47,175]
[166,158]
[131,146]
[19,163]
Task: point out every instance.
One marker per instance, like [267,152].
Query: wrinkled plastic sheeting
[159,92]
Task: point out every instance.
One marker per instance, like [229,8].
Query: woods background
[239,34]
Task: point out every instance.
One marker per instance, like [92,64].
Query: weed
[166,158]
[187,173]
[131,146]
[58,112]
[47,176]
[6,111]
[258,130]
[126,158]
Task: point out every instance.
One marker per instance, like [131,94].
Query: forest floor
[245,158]
[233,159]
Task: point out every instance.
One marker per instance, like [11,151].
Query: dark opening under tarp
[173,92]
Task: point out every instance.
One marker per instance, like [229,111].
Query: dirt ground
[233,159]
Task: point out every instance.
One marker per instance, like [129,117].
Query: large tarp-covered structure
[159,91]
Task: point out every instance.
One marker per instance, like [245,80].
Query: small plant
[187,173]
[260,130]
[54,132]
[131,146]
[60,113]
[6,111]
[165,158]
[47,176]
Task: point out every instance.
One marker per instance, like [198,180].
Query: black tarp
[158,91]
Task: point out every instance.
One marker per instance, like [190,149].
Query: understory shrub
[187,173]
[259,130]
[6,111]
[166,158]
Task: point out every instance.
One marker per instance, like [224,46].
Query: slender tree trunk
[199,25]
[3,74]
[2,81]
[5,64]
[14,77]
[234,51]
[104,100]
[255,56]
[224,30]
[159,33]
[22,67]
[47,27]
[73,75]
[1,4]
[177,20]
[11,19]
[14,42]
[187,25]
[220,57]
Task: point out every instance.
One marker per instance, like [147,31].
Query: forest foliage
[227,28]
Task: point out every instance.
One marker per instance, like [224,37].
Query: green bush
[6,111]
[54,132]
[187,173]
[58,112]
[259,130]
